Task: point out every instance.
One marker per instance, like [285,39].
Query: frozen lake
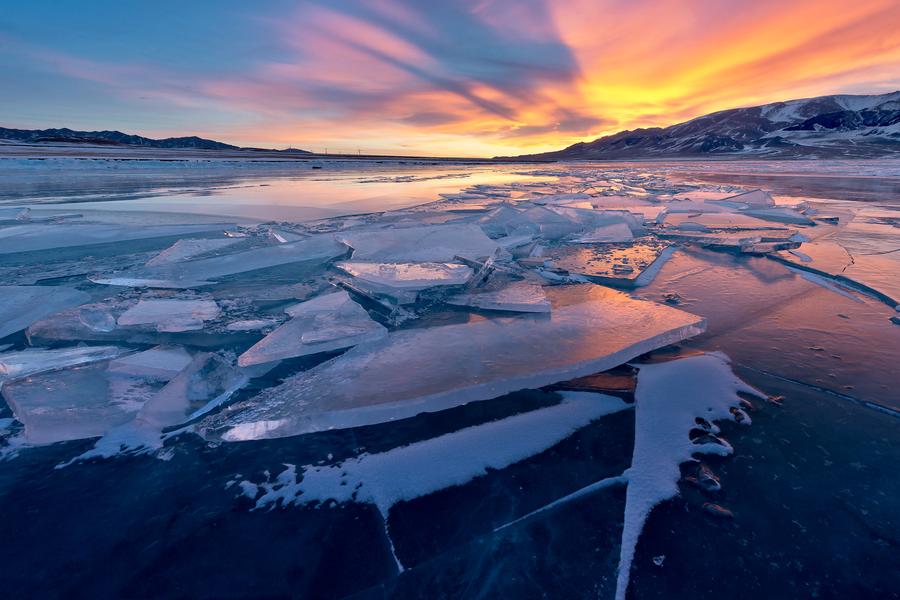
[374,380]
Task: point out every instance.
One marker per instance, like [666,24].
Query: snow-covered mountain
[827,126]
[118,138]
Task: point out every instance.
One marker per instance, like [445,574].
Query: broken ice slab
[318,249]
[705,222]
[387,277]
[780,215]
[32,237]
[614,232]
[733,240]
[76,403]
[186,249]
[434,243]
[170,315]
[751,199]
[626,266]
[874,274]
[517,297]
[22,305]
[37,360]
[590,329]
[160,363]
[324,324]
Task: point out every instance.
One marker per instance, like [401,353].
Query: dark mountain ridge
[852,126]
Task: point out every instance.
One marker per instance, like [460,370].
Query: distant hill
[827,127]
[113,138]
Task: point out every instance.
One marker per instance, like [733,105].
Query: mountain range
[851,126]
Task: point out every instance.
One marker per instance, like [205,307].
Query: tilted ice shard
[434,243]
[170,315]
[22,305]
[323,324]
[186,249]
[206,382]
[519,297]
[37,360]
[406,276]
[160,363]
[670,396]
[409,472]
[590,329]
[31,237]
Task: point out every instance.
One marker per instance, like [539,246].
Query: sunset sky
[457,77]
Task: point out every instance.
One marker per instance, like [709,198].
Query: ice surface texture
[422,370]
[518,297]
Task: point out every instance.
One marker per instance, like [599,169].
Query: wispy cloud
[480,76]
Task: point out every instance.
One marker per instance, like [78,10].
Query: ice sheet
[22,305]
[324,324]
[590,329]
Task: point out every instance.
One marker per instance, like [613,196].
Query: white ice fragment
[519,297]
[171,315]
[409,472]
[159,363]
[323,324]
[591,329]
[669,397]
[37,360]
[22,305]
[186,249]
[434,243]
[407,276]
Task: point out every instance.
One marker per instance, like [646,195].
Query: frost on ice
[670,397]
[408,472]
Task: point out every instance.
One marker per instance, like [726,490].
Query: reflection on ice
[590,329]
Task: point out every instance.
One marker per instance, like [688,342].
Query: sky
[423,77]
